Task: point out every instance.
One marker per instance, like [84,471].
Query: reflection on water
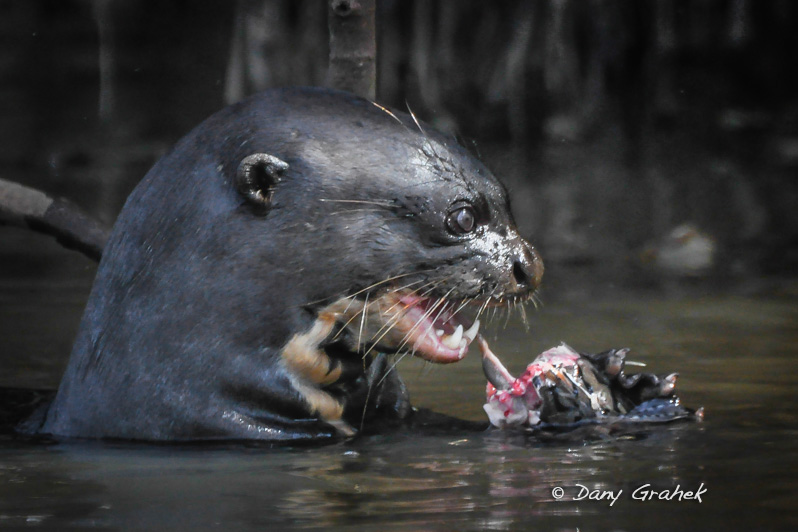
[736,355]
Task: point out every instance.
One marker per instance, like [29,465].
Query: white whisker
[522,308]
[389,113]
[362,322]
[396,362]
[423,317]
[507,312]
[463,305]
[483,307]
[349,211]
[365,202]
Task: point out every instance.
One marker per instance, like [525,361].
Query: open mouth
[436,329]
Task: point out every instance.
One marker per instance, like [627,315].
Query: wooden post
[353,47]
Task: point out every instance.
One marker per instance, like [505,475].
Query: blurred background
[656,137]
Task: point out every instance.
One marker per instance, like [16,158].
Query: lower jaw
[427,329]
[433,329]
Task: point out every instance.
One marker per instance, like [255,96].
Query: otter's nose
[527,268]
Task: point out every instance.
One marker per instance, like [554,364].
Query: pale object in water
[563,387]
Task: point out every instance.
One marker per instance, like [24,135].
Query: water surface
[734,348]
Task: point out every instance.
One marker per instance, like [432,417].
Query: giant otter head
[259,265]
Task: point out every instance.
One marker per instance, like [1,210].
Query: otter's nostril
[520,274]
[527,268]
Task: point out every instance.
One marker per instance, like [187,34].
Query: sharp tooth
[463,349]
[453,341]
[439,332]
[472,331]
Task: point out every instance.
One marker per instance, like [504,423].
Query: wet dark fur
[198,291]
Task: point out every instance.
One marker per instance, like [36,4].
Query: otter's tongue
[435,332]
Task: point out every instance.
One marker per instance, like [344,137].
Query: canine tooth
[472,331]
[439,332]
[453,341]
[463,349]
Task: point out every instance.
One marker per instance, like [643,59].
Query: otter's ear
[257,176]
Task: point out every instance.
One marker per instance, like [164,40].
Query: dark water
[735,349]
[735,346]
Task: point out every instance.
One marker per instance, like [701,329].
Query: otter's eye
[461,221]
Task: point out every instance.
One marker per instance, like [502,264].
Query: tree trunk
[353,47]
